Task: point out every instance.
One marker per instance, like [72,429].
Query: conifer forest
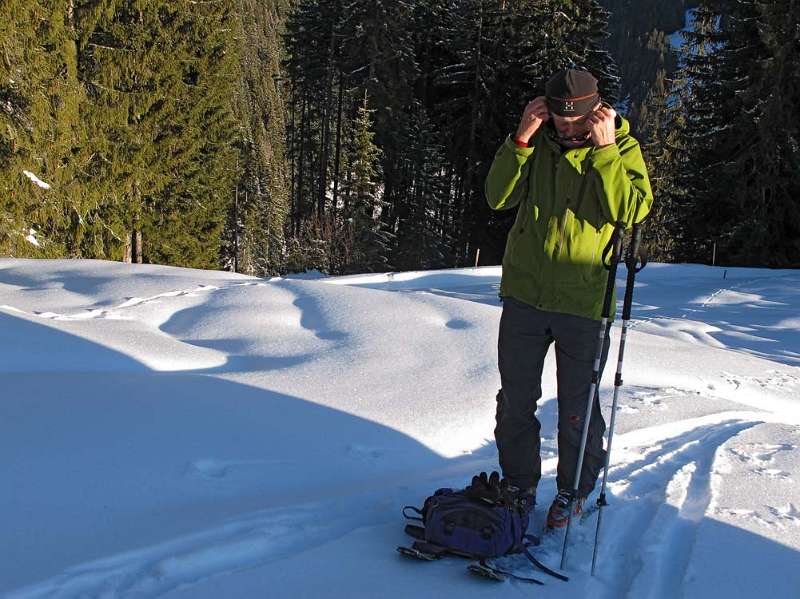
[275,136]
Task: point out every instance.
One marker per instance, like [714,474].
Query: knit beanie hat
[571,92]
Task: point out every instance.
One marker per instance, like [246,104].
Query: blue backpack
[456,523]
[488,519]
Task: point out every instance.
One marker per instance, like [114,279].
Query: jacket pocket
[518,232]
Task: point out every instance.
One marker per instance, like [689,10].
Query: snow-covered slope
[182,433]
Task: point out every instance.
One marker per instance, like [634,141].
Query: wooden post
[714,255]
[477,257]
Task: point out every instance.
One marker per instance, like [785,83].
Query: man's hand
[602,127]
[533,116]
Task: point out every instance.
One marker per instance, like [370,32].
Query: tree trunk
[236,231]
[126,258]
[337,159]
[466,206]
[137,240]
[299,202]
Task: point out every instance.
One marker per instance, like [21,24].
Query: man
[572,170]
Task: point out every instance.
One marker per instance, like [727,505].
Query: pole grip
[613,250]
[632,264]
[611,257]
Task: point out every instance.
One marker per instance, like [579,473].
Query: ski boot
[558,514]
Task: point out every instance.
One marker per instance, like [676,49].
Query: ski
[413,553]
[481,569]
[545,569]
[484,569]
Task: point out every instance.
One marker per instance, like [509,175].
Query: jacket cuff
[605,155]
[516,149]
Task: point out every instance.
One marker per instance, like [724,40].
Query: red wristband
[521,144]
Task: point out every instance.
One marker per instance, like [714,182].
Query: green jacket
[567,204]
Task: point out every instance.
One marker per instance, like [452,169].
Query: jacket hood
[623,126]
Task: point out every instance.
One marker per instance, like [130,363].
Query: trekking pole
[635,261]
[614,248]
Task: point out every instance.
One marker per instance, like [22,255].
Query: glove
[491,488]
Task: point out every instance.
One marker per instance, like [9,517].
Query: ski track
[656,502]
[117,312]
[114,312]
[666,495]
[248,541]
[660,497]
[153,571]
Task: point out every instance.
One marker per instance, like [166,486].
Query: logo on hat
[569,106]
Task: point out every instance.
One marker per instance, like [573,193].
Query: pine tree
[378,56]
[774,102]
[371,239]
[423,229]
[736,175]
[159,82]
[661,123]
[732,173]
[39,99]
[199,196]
[314,66]
[469,104]
[640,47]
[379,60]
[587,43]
[253,239]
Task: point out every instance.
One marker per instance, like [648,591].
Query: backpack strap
[417,510]
[418,532]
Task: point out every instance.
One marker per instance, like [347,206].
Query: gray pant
[525,336]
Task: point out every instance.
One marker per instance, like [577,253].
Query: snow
[675,38]
[31,238]
[36,180]
[677,41]
[623,106]
[197,434]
